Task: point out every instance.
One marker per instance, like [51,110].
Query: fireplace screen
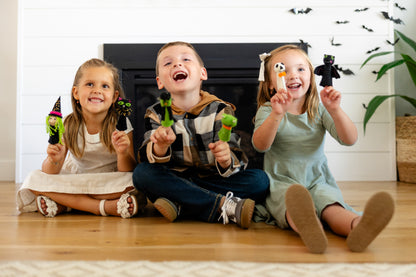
[232,76]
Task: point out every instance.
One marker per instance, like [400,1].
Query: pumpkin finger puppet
[228,122]
[280,70]
[54,125]
[124,109]
[327,71]
[166,104]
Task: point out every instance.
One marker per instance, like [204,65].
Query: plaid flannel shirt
[194,130]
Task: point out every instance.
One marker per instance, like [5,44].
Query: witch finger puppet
[124,109]
[54,125]
[166,104]
[327,71]
[280,70]
[228,122]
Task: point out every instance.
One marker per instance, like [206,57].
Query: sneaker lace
[228,208]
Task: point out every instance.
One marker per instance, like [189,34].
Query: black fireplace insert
[233,70]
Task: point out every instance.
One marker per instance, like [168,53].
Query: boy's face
[179,70]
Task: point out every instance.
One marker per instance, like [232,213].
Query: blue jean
[198,197]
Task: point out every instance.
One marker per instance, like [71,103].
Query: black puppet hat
[56,111]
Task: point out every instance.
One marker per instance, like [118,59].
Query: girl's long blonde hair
[74,122]
[312,98]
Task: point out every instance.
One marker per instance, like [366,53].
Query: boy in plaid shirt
[185,170]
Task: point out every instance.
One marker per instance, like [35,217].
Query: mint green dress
[297,156]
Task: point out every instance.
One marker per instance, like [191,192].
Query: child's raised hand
[281,101]
[162,138]
[56,152]
[121,141]
[330,98]
[221,152]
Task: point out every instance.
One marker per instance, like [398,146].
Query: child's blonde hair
[74,121]
[175,43]
[312,98]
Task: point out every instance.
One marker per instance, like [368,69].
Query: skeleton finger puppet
[54,125]
[166,103]
[124,109]
[280,70]
[228,122]
[327,71]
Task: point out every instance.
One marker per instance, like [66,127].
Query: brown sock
[377,213]
[301,209]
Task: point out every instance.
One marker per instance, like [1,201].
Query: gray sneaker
[167,208]
[237,210]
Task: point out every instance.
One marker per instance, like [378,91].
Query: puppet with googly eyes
[124,109]
[54,125]
[280,70]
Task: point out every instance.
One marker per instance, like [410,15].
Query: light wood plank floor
[77,236]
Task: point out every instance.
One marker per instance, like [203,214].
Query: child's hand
[56,152]
[121,142]
[162,138]
[330,98]
[281,101]
[221,152]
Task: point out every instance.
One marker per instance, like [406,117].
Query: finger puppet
[280,70]
[54,125]
[166,104]
[124,109]
[228,122]
[327,71]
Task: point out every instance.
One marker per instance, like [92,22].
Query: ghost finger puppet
[280,70]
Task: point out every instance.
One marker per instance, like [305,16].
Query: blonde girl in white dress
[92,170]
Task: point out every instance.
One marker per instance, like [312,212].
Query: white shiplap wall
[55,37]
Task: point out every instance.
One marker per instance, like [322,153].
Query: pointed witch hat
[56,111]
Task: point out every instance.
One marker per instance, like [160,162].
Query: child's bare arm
[55,159]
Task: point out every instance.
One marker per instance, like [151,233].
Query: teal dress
[297,156]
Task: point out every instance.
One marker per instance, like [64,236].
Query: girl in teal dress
[290,127]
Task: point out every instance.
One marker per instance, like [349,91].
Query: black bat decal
[395,20]
[373,50]
[360,10]
[346,71]
[365,106]
[401,8]
[335,44]
[301,11]
[342,22]
[368,29]
[307,44]
[393,43]
[374,72]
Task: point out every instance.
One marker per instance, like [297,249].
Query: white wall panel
[55,37]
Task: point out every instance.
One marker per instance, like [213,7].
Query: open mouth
[95,100]
[180,75]
[294,86]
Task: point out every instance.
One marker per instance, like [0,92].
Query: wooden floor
[30,236]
